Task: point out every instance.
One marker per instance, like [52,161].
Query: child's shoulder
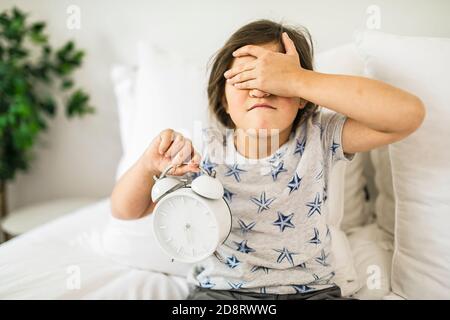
[319,121]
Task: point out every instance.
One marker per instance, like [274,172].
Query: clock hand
[188,233]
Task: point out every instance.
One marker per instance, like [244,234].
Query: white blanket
[64,259]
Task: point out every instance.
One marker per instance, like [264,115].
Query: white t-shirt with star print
[280,242]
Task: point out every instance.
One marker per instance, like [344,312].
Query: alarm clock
[191,218]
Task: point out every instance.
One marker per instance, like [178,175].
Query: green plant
[32,76]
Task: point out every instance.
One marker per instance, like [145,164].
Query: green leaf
[77,58]
[38,38]
[37,27]
[49,106]
[4,19]
[18,14]
[21,108]
[20,86]
[3,122]
[77,104]
[67,84]
[15,28]
[17,53]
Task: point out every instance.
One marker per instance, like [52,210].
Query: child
[280,243]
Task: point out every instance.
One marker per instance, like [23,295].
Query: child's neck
[254,147]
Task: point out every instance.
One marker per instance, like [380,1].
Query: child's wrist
[148,167]
[301,80]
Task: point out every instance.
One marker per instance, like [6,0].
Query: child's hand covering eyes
[271,72]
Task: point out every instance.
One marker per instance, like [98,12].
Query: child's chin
[265,125]
[263,130]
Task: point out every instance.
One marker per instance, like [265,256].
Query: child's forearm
[376,104]
[131,196]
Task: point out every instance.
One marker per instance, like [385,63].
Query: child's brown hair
[256,33]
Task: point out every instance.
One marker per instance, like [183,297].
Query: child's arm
[131,196]
[378,114]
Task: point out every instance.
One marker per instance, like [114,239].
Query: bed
[69,259]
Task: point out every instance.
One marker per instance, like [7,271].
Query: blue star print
[315,239]
[328,234]
[300,146]
[242,247]
[195,174]
[285,254]
[324,280]
[256,268]
[277,156]
[294,184]
[262,202]
[276,170]
[246,227]
[302,265]
[208,165]
[232,262]
[236,286]
[301,288]
[284,221]
[320,174]
[207,284]
[314,206]
[334,146]
[227,194]
[322,259]
[235,172]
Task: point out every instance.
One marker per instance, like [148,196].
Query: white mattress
[41,263]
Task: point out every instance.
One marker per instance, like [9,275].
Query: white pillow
[345,60]
[420,163]
[385,201]
[170,93]
[340,60]
[124,85]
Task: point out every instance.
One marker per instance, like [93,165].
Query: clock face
[186,228]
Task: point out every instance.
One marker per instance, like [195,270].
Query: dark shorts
[198,293]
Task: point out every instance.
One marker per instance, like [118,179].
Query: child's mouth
[265,106]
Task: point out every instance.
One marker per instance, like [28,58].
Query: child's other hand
[171,147]
[272,72]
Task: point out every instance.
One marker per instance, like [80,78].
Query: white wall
[78,158]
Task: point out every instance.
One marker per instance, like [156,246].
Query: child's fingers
[184,154]
[184,161]
[195,158]
[176,146]
[167,136]
[181,170]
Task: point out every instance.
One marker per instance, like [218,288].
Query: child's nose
[255,93]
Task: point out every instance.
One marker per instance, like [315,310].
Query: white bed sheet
[41,264]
